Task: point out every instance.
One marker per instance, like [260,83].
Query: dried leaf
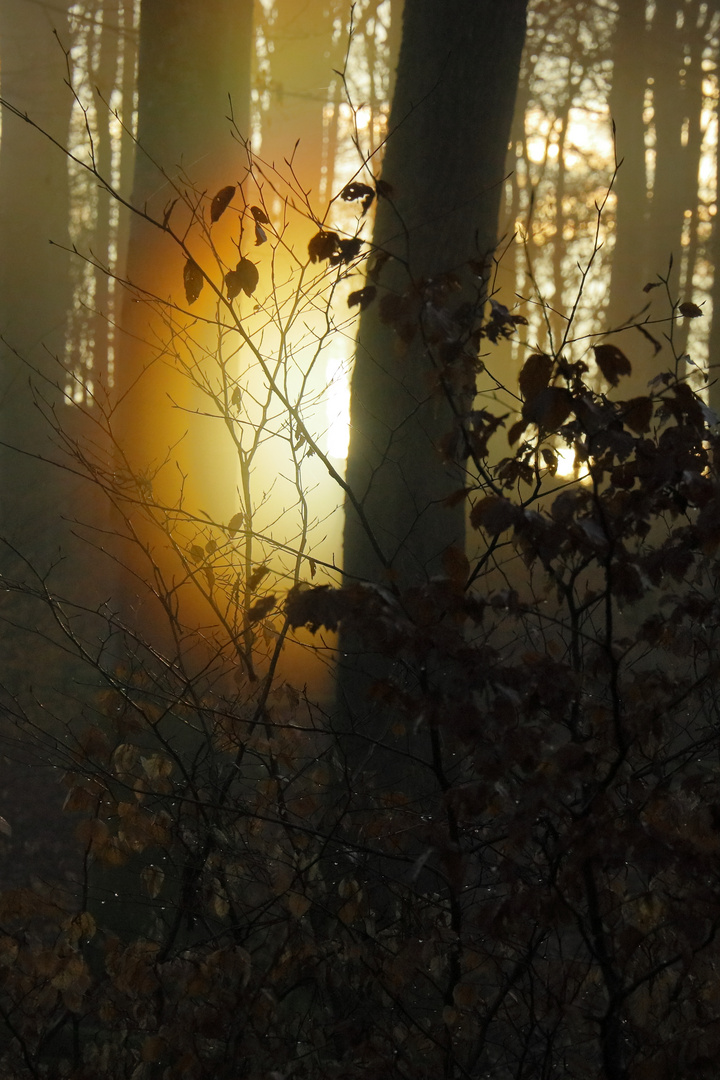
[154,1046]
[354,191]
[260,235]
[156,766]
[196,553]
[690,310]
[516,431]
[637,414]
[550,458]
[377,263]
[549,409]
[456,565]
[323,245]
[93,833]
[80,799]
[315,607]
[363,297]
[193,280]
[260,216]
[257,575]
[235,523]
[221,202]
[347,250]
[125,758]
[260,609]
[297,904]
[244,278]
[613,363]
[495,514]
[535,375]
[465,995]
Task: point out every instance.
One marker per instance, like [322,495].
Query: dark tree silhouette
[34,276]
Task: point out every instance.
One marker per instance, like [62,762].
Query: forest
[359,530]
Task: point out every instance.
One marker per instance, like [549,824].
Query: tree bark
[193,74]
[34,273]
[414,375]
[627,96]
[446,158]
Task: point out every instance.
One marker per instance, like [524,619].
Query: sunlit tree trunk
[629,80]
[34,276]
[301,68]
[662,58]
[194,74]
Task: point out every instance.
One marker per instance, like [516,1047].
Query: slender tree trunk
[664,56]
[34,275]
[302,66]
[194,73]
[627,96]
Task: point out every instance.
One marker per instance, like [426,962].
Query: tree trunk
[650,222]
[445,161]
[34,274]
[627,96]
[194,72]
[414,375]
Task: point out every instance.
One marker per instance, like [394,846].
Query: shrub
[517,876]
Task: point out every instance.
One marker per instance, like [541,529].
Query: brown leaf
[260,609]
[516,431]
[377,263]
[690,310]
[494,514]
[354,191]
[550,458]
[323,245]
[535,375]
[549,409]
[637,414]
[297,904]
[315,607]
[613,363]
[221,202]
[363,297]
[347,250]
[244,278]
[193,280]
[260,216]
[235,523]
[456,565]
[154,1046]
[257,575]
